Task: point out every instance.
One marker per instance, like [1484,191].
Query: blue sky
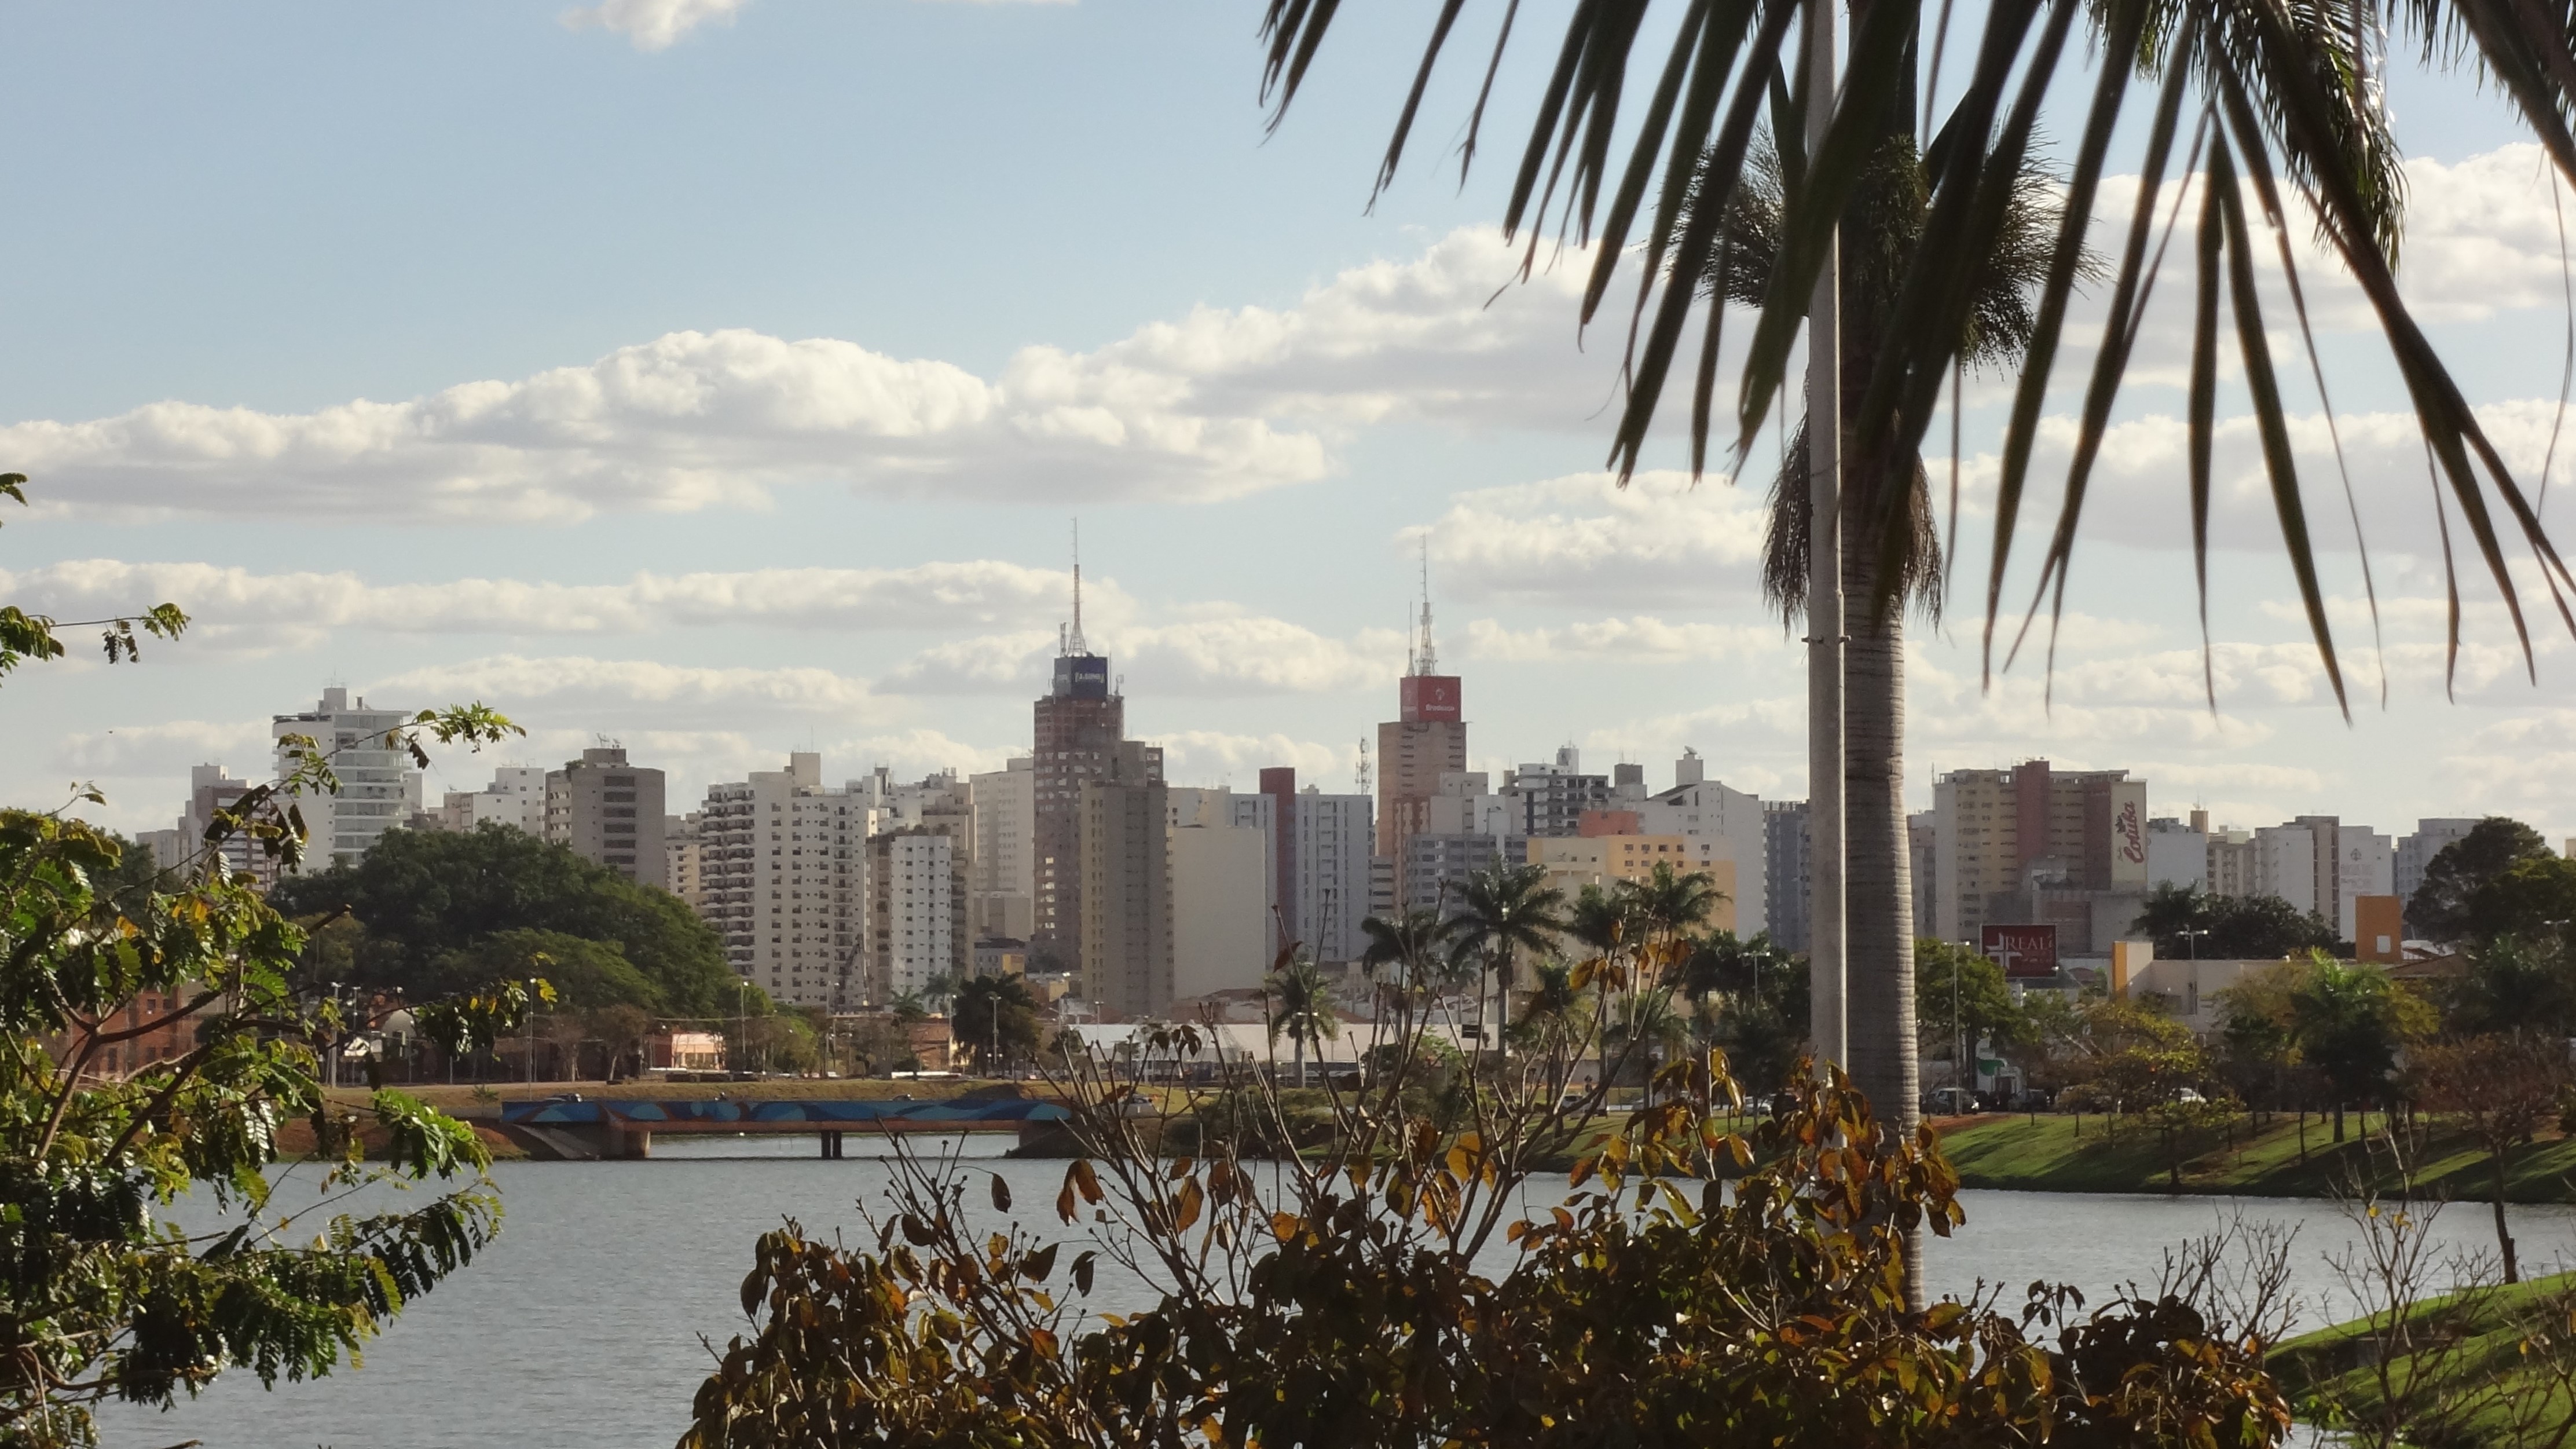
[734,395]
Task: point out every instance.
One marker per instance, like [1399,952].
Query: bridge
[625,1128]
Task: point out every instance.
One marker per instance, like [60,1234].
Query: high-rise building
[2178,852]
[916,919]
[606,809]
[1552,797]
[2230,853]
[2009,832]
[515,798]
[210,791]
[1279,797]
[786,877]
[2285,865]
[1788,862]
[1222,878]
[2416,852]
[1605,860]
[1005,866]
[1426,739]
[379,789]
[2366,865]
[1699,808]
[1124,869]
[1923,865]
[684,852]
[1081,729]
[1332,834]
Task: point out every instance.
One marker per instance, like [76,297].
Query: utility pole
[532,1031]
[1827,959]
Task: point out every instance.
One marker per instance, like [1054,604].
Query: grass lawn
[2065,1153]
[2469,1384]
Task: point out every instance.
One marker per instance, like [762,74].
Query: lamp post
[2191,939]
[532,1032]
[742,1023]
[333,1072]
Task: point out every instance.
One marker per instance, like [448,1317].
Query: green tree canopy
[423,894]
[995,1013]
[2349,1021]
[1954,983]
[586,974]
[2534,899]
[2442,907]
[2234,928]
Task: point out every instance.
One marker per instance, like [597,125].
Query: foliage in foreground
[1355,1302]
[155,1034]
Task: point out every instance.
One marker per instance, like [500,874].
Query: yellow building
[1574,862]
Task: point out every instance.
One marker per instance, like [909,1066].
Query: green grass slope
[2068,1154]
[2465,1375]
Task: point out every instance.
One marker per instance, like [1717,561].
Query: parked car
[1949,1102]
[2033,1099]
[2189,1096]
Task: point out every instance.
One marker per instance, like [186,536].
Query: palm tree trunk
[2504,1239]
[1879,938]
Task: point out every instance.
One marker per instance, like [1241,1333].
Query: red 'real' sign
[2022,950]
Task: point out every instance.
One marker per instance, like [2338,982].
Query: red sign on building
[2022,950]
[1428,697]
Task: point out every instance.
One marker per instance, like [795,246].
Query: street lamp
[2192,938]
[532,1032]
[742,1022]
[332,1070]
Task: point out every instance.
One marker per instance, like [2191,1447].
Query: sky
[726,377]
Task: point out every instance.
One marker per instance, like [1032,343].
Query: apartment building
[785,863]
[607,809]
[2009,832]
[1004,872]
[379,788]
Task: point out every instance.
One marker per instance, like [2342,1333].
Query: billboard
[1428,697]
[2022,950]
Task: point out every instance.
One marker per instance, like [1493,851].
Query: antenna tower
[1366,777]
[1075,644]
[1426,659]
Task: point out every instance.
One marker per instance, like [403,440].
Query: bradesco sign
[2022,950]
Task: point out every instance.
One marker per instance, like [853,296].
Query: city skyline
[725,512]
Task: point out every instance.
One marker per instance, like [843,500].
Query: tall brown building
[1427,737]
[1126,886]
[1080,724]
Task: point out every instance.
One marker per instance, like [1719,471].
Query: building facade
[2416,851]
[1005,865]
[917,911]
[1081,726]
[786,870]
[2003,832]
[1124,866]
[379,789]
[1788,855]
[1699,808]
[608,810]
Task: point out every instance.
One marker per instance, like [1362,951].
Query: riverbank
[2470,1381]
[2248,1158]
[478,1105]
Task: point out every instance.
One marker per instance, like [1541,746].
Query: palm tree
[2279,88]
[1672,903]
[1305,1009]
[1603,920]
[1554,1014]
[1643,1020]
[939,990]
[1414,943]
[1504,910]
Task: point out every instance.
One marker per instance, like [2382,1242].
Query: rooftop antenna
[1427,660]
[1075,643]
[1364,777]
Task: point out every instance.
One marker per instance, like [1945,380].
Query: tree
[2349,1020]
[2534,899]
[995,1018]
[2515,985]
[1670,903]
[1357,1298]
[1301,1009]
[2503,1087]
[1959,1000]
[153,1034]
[422,894]
[2183,922]
[622,1030]
[2440,909]
[1415,943]
[586,974]
[2258,1031]
[1601,921]
[1503,911]
[2280,90]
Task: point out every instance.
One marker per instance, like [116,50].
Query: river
[581,1327]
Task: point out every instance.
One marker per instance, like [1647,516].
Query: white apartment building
[2285,865]
[785,864]
[1223,878]
[684,855]
[379,789]
[2366,866]
[2178,852]
[1004,877]
[916,927]
[1700,809]
[1335,837]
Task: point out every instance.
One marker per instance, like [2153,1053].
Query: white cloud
[1220,404]
[1224,652]
[980,592]
[1214,756]
[1640,638]
[1660,540]
[652,24]
[601,688]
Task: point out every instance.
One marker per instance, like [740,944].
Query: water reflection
[583,1327]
